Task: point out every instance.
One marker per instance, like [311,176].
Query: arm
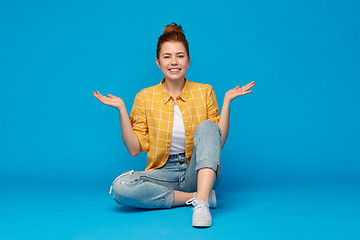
[128,135]
[224,121]
[225,111]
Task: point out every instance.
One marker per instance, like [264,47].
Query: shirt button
[185,121]
[187,133]
[187,145]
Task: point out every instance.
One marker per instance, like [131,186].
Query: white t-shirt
[178,133]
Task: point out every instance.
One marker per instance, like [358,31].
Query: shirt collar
[165,96]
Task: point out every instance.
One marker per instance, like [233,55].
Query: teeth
[174,70]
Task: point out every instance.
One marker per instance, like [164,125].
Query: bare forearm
[224,121]
[225,111]
[128,135]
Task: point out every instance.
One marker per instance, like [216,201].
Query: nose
[173,61]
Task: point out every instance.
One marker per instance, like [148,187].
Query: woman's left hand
[239,91]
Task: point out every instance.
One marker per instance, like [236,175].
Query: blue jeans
[155,188]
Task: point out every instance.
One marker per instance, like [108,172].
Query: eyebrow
[170,53]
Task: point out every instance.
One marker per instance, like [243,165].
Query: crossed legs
[152,189]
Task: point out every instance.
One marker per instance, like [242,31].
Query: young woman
[177,122]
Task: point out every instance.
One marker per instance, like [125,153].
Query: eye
[166,57]
[181,56]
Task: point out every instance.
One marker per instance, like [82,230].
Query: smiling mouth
[174,69]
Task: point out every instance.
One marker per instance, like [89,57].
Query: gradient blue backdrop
[301,123]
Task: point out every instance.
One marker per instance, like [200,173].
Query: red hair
[172,33]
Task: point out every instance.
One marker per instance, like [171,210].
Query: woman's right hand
[110,100]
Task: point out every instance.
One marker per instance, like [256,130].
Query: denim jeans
[155,188]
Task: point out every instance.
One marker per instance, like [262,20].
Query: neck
[174,88]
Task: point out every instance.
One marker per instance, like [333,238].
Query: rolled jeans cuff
[207,164]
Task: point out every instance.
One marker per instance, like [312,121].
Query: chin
[172,78]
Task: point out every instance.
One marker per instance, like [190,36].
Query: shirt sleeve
[212,106]
[138,121]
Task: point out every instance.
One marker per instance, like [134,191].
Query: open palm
[110,100]
[239,91]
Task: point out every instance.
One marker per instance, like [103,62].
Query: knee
[121,187]
[208,126]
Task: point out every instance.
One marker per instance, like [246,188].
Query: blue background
[300,126]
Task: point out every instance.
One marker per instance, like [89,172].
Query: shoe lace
[195,203]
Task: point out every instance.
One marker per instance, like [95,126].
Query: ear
[158,63]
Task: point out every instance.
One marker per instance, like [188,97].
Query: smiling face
[173,60]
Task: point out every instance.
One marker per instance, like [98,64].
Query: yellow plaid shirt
[153,112]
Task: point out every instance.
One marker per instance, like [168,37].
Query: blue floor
[60,211]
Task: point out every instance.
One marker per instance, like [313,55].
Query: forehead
[172,47]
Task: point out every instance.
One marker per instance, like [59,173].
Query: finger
[103,99]
[242,92]
[249,85]
[246,88]
[253,82]
[96,95]
[99,93]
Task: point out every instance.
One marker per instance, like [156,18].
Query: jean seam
[157,179]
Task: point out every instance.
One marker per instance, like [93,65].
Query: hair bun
[173,27]
[172,33]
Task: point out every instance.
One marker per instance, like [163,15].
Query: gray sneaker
[201,214]
[212,199]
